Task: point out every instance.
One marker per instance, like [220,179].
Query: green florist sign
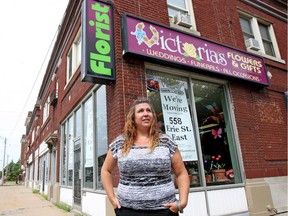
[98,57]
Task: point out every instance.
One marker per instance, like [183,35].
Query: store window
[88,143]
[195,114]
[88,124]
[101,132]
[70,150]
[259,36]
[64,155]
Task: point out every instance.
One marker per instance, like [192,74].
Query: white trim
[256,32]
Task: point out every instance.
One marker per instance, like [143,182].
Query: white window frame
[189,10]
[74,56]
[257,35]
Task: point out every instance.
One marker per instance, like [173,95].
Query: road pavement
[17,200]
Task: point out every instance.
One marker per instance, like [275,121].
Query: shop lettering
[166,56]
[179,138]
[174,45]
[245,63]
[175,108]
[173,99]
[212,56]
[102,44]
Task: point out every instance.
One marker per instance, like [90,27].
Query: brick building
[216,73]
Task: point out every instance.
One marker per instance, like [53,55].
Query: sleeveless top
[145,177]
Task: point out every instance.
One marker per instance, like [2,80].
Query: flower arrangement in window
[215,162]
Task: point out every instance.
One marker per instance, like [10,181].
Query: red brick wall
[260,112]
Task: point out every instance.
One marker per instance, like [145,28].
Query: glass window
[78,50]
[172,102]
[78,123]
[69,65]
[188,114]
[101,131]
[74,56]
[262,33]
[70,151]
[94,139]
[218,149]
[88,143]
[46,110]
[64,155]
[174,6]
[246,28]
[266,39]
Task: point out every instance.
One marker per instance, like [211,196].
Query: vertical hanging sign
[98,56]
[177,119]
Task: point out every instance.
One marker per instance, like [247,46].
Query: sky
[28,30]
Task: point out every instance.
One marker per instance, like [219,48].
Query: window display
[194,114]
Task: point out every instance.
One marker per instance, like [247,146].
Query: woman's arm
[106,176]
[182,177]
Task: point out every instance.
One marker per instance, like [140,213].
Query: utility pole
[4,160]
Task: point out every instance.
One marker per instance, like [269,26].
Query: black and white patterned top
[145,177]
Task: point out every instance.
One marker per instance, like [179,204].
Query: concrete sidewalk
[18,200]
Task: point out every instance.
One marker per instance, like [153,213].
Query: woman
[145,158]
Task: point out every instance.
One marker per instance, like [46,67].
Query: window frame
[231,121]
[254,25]
[65,131]
[74,57]
[189,10]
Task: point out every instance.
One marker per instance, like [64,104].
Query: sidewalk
[18,200]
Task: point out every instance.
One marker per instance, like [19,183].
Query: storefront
[215,101]
[188,82]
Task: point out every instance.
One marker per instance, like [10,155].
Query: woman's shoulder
[164,137]
[167,142]
[118,141]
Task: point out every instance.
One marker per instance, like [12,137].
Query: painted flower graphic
[190,50]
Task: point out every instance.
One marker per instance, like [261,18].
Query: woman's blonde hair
[130,130]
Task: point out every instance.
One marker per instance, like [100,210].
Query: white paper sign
[177,119]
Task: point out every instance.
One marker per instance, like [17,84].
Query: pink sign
[157,42]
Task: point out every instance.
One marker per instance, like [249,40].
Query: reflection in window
[215,134]
[101,130]
[78,123]
[70,151]
[64,154]
[93,134]
[88,143]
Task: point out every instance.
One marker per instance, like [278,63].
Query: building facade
[216,73]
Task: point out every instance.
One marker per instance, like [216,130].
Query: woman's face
[143,115]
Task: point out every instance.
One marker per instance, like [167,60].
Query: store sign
[98,58]
[157,42]
[177,119]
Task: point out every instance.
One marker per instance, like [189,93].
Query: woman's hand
[172,206]
[115,203]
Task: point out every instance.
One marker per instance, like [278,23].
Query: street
[17,200]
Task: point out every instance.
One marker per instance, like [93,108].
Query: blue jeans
[133,212]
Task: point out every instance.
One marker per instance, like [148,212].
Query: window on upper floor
[259,36]
[181,14]
[33,134]
[74,56]
[46,110]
